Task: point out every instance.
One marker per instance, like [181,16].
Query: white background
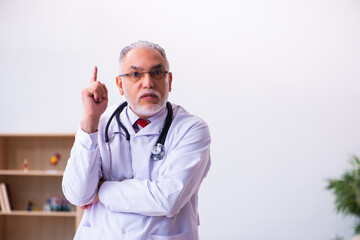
[278,82]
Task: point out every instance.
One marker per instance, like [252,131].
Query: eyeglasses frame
[142,74]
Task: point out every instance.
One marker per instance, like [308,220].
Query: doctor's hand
[95,199]
[91,203]
[95,100]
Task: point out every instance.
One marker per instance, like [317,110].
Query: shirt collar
[133,117]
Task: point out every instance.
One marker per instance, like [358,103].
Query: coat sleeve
[179,179]
[83,170]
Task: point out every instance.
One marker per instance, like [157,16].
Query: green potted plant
[347,192]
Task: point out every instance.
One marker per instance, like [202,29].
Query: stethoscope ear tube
[167,124]
[117,117]
[116,112]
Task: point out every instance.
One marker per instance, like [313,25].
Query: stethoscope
[157,152]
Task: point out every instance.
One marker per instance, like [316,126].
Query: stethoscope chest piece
[158,153]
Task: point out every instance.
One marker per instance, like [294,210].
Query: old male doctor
[127,194]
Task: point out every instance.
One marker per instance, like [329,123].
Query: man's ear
[170,81]
[119,85]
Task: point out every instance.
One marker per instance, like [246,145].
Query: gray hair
[140,44]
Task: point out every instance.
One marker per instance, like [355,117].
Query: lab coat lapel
[154,128]
[156,124]
[126,122]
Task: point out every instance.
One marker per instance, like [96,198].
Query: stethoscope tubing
[116,112]
[163,134]
[157,152]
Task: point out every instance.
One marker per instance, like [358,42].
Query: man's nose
[147,81]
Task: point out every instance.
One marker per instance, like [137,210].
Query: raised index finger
[94,75]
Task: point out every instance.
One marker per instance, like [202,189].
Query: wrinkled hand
[95,199]
[91,203]
[95,100]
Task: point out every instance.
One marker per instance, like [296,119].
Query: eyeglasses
[138,75]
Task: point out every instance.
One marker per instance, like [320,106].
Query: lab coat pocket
[88,233]
[180,236]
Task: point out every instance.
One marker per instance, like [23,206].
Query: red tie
[142,122]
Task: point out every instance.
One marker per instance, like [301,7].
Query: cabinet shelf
[39,213]
[35,186]
[44,173]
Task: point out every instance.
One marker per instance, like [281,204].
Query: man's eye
[157,73]
[135,74]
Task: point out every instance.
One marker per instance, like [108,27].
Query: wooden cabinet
[36,185]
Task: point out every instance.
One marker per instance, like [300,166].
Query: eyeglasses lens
[157,74]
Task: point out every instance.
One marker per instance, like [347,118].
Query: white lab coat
[159,199]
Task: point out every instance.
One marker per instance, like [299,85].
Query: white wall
[277,81]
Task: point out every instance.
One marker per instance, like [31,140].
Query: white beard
[146,110]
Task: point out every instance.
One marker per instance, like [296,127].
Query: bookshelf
[35,185]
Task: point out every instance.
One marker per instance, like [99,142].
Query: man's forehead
[154,67]
[143,58]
